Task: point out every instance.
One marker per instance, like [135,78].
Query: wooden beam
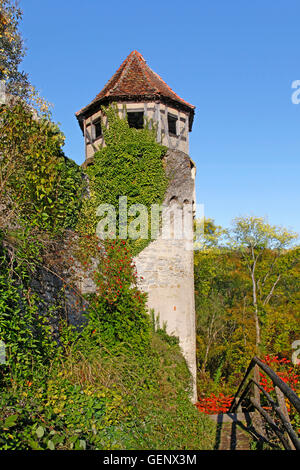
[158,120]
[271,423]
[90,140]
[85,142]
[284,411]
[167,127]
[181,132]
[145,113]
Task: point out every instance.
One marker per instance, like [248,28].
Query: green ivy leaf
[51,446]
[40,432]
[82,444]
[10,421]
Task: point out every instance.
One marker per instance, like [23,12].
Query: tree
[261,246]
[231,326]
[225,333]
[12,50]
[38,184]
[207,234]
[211,325]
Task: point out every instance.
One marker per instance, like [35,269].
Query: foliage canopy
[246,296]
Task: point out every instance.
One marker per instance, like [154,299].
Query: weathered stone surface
[57,282]
[166,265]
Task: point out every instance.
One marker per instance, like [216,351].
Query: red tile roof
[134,79]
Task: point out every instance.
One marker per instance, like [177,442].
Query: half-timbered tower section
[146,98]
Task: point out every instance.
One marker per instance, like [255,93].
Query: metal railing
[249,393]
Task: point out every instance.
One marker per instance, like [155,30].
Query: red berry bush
[117,312]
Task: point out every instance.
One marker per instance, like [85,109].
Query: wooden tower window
[136,119]
[172,124]
[97,129]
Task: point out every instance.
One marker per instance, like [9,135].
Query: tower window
[136,119]
[172,124]
[97,129]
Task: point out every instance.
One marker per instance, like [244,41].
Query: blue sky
[235,60]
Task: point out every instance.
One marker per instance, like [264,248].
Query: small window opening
[173,199]
[97,129]
[172,124]
[136,119]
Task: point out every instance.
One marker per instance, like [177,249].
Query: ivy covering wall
[129,165]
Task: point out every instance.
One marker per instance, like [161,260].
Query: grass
[96,398]
[156,391]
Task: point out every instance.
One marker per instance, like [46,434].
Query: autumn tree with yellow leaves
[247,298]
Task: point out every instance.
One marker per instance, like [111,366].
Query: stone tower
[166,264]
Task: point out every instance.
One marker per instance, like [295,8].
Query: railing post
[283,409]
[239,408]
[256,389]
[260,416]
[259,424]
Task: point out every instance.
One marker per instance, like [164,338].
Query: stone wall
[58,285]
[56,299]
[167,264]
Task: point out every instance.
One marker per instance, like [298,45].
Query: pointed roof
[135,80]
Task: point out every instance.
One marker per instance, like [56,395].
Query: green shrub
[39,184]
[57,414]
[97,398]
[117,312]
[25,332]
